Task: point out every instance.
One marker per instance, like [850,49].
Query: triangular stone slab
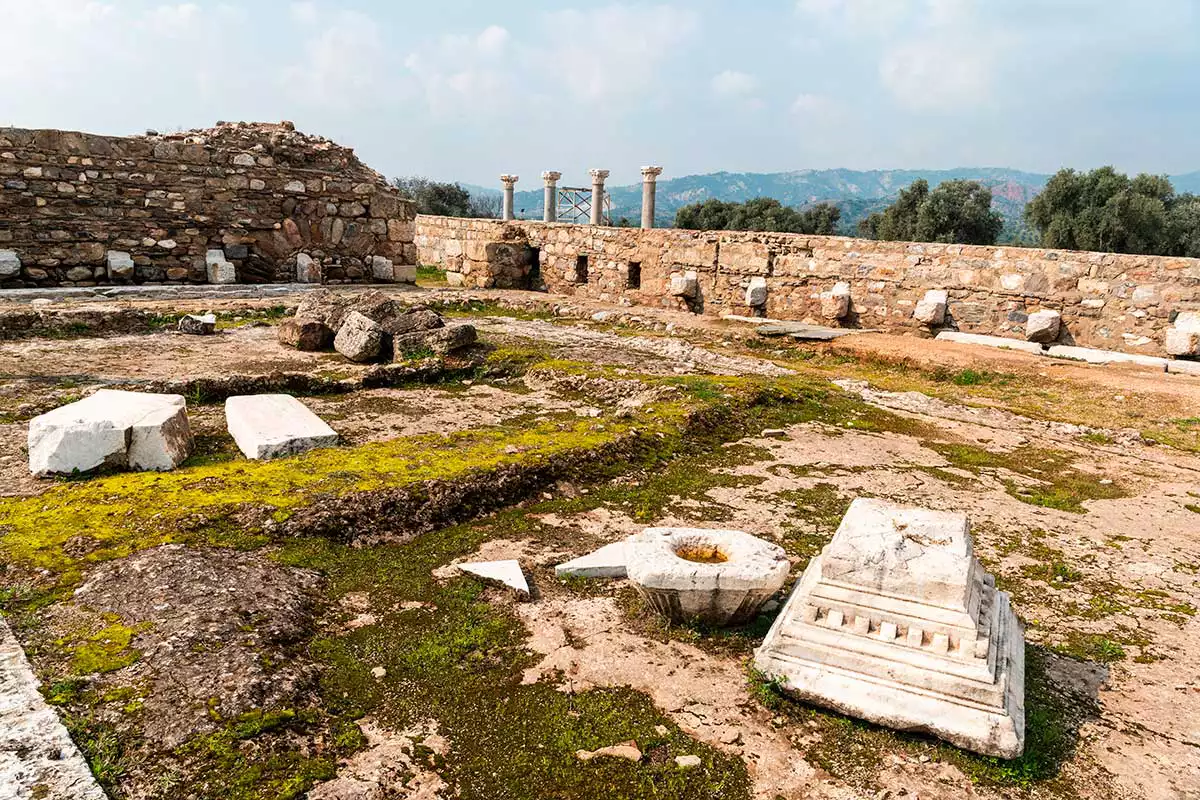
[607,562]
[501,573]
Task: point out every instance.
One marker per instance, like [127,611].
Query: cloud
[343,62]
[304,13]
[732,83]
[938,72]
[174,21]
[461,75]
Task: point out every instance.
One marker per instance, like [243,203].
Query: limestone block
[382,269]
[756,293]
[896,622]
[439,340]
[405,273]
[307,269]
[607,562]
[220,270]
[360,338]
[931,310]
[685,285]
[10,264]
[506,574]
[737,573]
[304,334]
[414,319]
[117,429]
[326,306]
[835,304]
[198,324]
[1092,355]
[1182,342]
[270,426]
[990,341]
[120,265]
[1043,326]
[1188,321]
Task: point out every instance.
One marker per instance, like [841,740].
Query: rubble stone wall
[1117,302]
[235,203]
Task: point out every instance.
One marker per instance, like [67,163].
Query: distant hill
[857,193]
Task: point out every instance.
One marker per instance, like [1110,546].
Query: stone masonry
[240,202]
[1116,302]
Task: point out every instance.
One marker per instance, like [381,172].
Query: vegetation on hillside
[956,212]
[1106,211]
[759,214]
[446,199]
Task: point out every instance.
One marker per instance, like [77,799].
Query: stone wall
[237,203]
[1119,302]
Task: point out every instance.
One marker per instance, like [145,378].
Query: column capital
[550,176]
[509,180]
[650,174]
[598,175]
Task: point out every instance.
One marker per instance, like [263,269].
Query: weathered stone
[1182,342]
[990,341]
[382,269]
[688,762]
[931,310]
[220,271]
[307,269]
[270,426]
[198,325]
[897,623]
[685,285]
[10,264]
[835,304]
[506,574]
[120,265]
[607,562]
[305,334]
[79,274]
[719,577]
[626,750]
[417,318]
[326,306]
[756,292]
[1188,321]
[405,273]
[438,340]
[1092,355]
[1043,326]
[111,428]
[359,338]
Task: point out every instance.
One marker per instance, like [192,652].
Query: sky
[469,89]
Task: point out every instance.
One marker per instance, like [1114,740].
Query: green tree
[759,214]
[956,212]
[445,199]
[1105,211]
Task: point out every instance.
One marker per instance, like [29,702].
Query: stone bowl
[695,574]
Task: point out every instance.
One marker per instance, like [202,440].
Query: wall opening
[581,269]
[633,278]
[535,270]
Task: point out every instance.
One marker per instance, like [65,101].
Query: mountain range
[857,193]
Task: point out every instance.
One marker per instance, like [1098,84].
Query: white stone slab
[1093,356]
[10,263]
[1188,322]
[607,562]
[931,310]
[37,757]
[1043,326]
[1180,342]
[1184,367]
[267,426]
[123,430]
[756,292]
[897,623]
[507,574]
[991,341]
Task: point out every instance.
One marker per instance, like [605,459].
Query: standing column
[649,184]
[551,202]
[509,182]
[598,177]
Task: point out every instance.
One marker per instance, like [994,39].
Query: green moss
[1195,509]
[819,510]
[107,650]
[1091,647]
[430,276]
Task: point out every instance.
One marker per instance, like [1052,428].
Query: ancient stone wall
[242,202]
[1119,302]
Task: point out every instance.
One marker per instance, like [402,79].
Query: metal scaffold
[575,205]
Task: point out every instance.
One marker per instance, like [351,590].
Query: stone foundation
[1117,302]
[239,203]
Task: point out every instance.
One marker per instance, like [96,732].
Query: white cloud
[304,13]
[732,83]
[177,20]
[461,75]
[938,72]
[342,64]
[491,41]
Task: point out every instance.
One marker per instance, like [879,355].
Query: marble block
[121,430]
[267,426]
[931,310]
[896,622]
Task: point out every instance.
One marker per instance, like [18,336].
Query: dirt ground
[1077,504]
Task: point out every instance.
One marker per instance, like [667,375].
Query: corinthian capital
[509,180]
[550,176]
[598,175]
[650,174]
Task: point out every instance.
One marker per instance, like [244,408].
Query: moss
[819,510]
[1195,509]
[428,275]
[107,650]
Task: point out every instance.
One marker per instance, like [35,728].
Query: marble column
[551,202]
[598,178]
[509,182]
[649,184]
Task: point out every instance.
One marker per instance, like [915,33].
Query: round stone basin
[695,574]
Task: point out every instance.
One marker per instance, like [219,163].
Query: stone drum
[717,577]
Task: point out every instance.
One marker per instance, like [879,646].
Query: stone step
[507,574]
[607,562]
[267,426]
[991,341]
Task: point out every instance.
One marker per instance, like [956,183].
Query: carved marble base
[897,623]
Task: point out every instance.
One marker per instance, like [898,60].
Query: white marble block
[267,426]
[931,310]
[685,285]
[835,304]
[728,590]
[220,269]
[122,430]
[1043,326]
[756,292]
[897,623]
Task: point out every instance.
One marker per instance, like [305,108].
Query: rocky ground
[212,633]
